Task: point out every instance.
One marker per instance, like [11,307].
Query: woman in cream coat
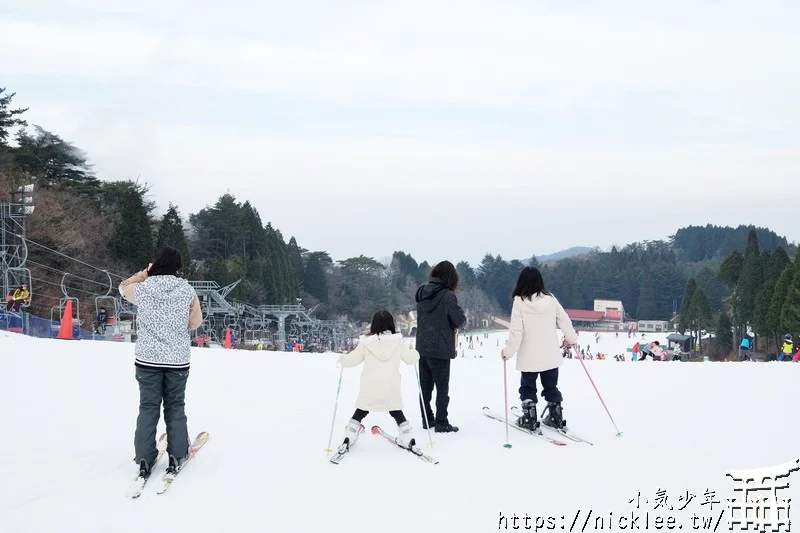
[381,352]
[535,316]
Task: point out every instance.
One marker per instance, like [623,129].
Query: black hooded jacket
[438,316]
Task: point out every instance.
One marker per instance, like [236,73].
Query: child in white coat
[535,316]
[381,352]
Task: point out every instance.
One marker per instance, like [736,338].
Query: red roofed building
[581,315]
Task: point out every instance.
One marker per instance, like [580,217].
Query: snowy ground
[69,410]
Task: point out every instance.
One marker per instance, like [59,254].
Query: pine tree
[687,311]
[9,117]
[296,257]
[790,312]
[132,242]
[715,291]
[761,321]
[314,280]
[730,269]
[646,308]
[171,233]
[777,263]
[723,333]
[55,162]
[749,283]
[779,297]
[466,276]
[701,313]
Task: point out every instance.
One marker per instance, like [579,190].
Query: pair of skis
[567,434]
[139,483]
[377,430]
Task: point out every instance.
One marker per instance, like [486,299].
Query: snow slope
[69,410]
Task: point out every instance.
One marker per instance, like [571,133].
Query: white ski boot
[406,438]
[351,433]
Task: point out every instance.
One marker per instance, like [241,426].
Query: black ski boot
[445,427]
[528,419]
[554,417]
[175,465]
[144,470]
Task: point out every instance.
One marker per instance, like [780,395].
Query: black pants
[157,386]
[13,305]
[527,386]
[398,416]
[434,372]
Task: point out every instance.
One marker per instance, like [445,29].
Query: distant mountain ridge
[563,254]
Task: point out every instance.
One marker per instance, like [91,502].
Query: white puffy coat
[532,335]
[380,379]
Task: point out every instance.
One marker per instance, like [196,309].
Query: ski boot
[351,432]
[144,470]
[406,438]
[445,427]
[554,417]
[528,419]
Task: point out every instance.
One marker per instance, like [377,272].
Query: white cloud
[726,70]
[512,54]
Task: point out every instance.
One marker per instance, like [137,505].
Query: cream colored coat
[380,379]
[532,335]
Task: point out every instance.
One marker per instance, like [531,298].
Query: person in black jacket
[438,318]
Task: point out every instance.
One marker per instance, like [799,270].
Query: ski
[136,488]
[488,412]
[169,477]
[376,430]
[346,447]
[565,432]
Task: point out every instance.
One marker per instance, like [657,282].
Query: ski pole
[422,403]
[619,433]
[505,391]
[335,408]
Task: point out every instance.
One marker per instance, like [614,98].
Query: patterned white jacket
[167,309]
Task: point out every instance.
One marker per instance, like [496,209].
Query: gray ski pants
[155,386]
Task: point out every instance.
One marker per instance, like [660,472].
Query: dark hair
[167,262]
[447,274]
[530,282]
[382,321]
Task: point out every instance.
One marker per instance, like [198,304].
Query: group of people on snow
[789,350]
[535,316]
[168,310]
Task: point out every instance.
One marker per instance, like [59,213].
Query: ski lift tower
[213,304]
[13,248]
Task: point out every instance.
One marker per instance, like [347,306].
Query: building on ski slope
[607,315]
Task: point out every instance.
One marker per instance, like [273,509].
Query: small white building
[652,326]
[612,310]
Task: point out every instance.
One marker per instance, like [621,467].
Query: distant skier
[744,347]
[676,353]
[438,316]
[381,352]
[535,316]
[657,351]
[787,349]
[167,310]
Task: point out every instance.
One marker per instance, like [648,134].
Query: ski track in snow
[69,411]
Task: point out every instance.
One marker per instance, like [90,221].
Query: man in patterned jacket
[167,310]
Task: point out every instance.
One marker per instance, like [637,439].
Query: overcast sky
[445,129]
